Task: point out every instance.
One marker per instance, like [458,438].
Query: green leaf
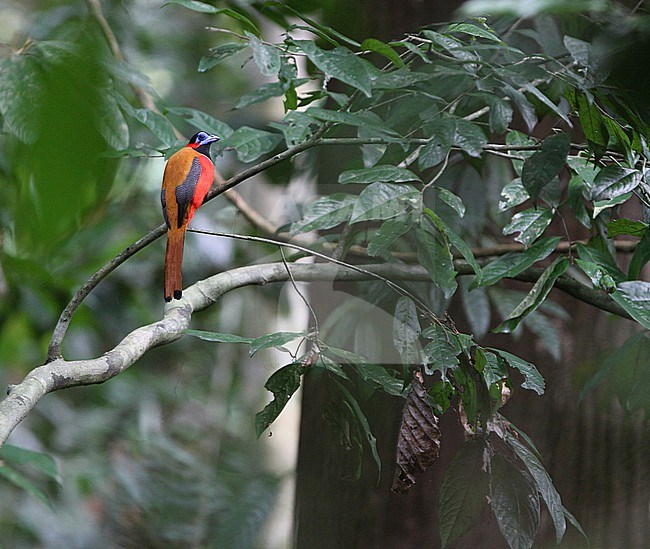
[218,337]
[383,201]
[112,125]
[193,5]
[384,172]
[377,375]
[264,92]
[470,138]
[634,297]
[420,51]
[276,339]
[267,58]
[443,132]
[296,127]
[363,421]
[533,380]
[339,63]
[452,200]
[363,119]
[513,263]
[15,455]
[544,485]
[541,167]
[325,213]
[514,500]
[513,193]
[441,353]
[640,257]
[624,226]
[601,205]
[614,181]
[158,125]
[381,241]
[22,482]
[250,143]
[282,384]
[372,44]
[203,121]
[500,115]
[406,331]
[539,95]
[456,241]
[331,366]
[219,54]
[491,368]
[325,30]
[530,224]
[602,259]
[536,296]
[436,258]
[463,492]
[473,30]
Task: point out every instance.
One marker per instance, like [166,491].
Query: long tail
[174,263]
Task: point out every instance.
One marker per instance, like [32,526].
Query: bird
[188,176]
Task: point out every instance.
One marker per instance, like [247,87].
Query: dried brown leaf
[418,443]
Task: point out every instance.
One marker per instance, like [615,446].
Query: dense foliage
[462,134]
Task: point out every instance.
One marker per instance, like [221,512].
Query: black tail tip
[177,295]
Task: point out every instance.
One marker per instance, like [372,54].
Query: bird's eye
[201,137]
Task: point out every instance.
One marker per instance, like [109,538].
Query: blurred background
[165,455]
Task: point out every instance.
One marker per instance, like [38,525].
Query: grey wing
[185,191]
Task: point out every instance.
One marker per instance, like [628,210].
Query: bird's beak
[210,139]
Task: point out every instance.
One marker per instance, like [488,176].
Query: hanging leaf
[282,384]
[325,213]
[219,54]
[383,201]
[536,296]
[386,173]
[634,297]
[542,167]
[250,143]
[339,63]
[533,380]
[267,58]
[463,492]
[514,500]
[443,132]
[513,263]
[624,226]
[381,241]
[406,331]
[418,441]
[441,354]
[530,224]
[640,257]
[614,181]
[436,258]
[372,44]
[276,339]
[218,337]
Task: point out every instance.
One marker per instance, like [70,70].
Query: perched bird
[188,176]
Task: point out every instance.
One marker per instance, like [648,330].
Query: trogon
[188,176]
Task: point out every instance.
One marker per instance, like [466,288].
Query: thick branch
[60,374]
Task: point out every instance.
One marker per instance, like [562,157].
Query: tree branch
[61,374]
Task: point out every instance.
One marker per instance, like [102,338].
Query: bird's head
[202,141]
